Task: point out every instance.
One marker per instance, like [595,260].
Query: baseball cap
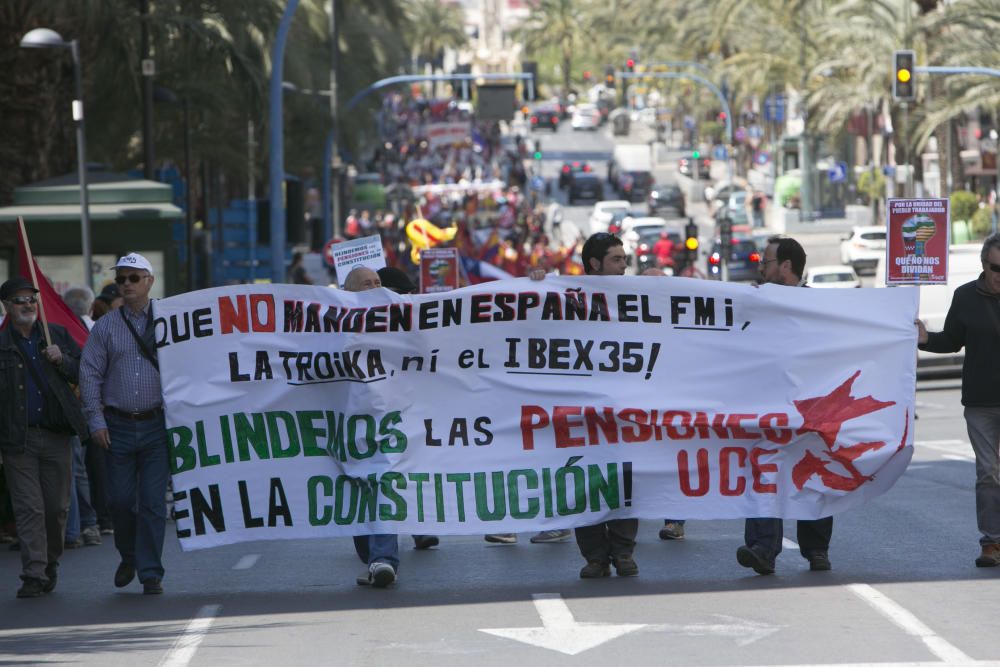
[396,280]
[134,260]
[13,286]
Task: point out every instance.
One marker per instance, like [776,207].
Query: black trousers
[606,541]
[764,536]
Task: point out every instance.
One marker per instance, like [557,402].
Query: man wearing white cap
[120,386]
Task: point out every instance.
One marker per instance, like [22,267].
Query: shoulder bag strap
[143,347]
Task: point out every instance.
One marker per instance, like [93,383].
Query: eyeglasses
[23,300]
[995,268]
[765,262]
[132,278]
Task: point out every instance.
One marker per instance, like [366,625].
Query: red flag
[56,310]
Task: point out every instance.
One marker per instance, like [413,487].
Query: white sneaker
[550,536]
[381,574]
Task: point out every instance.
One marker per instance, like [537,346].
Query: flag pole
[34,281]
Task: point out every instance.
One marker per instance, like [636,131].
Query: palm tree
[435,26]
[562,24]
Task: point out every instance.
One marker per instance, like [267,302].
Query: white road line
[910,624]
[183,650]
[957,457]
[969,663]
[948,447]
[789,544]
[246,562]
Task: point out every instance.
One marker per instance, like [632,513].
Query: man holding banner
[783,263]
[610,541]
[379,552]
[973,322]
[120,386]
[39,417]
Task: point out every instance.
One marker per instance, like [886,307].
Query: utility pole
[805,159]
[148,70]
[334,213]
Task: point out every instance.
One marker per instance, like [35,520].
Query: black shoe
[747,557]
[626,566]
[595,569]
[819,562]
[152,587]
[52,574]
[124,574]
[31,588]
[425,541]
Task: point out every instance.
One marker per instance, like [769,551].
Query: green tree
[560,24]
[434,26]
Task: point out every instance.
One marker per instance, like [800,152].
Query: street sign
[740,134]
[774,108]
[755,132]
[719,152]
[838,172]
[761,158]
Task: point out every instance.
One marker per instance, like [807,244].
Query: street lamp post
[43,38]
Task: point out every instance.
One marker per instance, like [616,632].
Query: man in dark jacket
[39,414]
[783,263]
[973,322]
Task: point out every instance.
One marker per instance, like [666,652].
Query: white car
[631,231]
[586,117]
[603,211]
[832,276]
[863,247]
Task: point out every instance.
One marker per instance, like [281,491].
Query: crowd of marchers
[84,446]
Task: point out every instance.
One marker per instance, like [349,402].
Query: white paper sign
[366,251]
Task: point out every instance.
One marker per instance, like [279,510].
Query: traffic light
[538,150]
[696,154]
[463,89]
[630,65]
[903,86]
[586,76]
[691,242]
[530,91]
[609,76]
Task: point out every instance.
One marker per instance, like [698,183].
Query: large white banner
[298,411]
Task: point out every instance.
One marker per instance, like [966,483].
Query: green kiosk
[126,215]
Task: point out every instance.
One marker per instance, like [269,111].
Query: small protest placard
[366,251]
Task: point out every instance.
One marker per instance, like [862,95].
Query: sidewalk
[786,221]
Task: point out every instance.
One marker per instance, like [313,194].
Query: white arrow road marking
[746,632]
[560,631]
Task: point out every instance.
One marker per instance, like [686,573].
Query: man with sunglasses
[40,416]
[120,386]
[784,263]
[973,322]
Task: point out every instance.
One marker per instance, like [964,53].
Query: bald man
[361,278]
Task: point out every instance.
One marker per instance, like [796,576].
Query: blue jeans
[378,549]
[81,512]
[137,480]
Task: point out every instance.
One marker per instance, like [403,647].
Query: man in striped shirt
[120,387]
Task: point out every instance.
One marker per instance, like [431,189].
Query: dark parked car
[585,186]
[744,261]
[666,197]
[695,166]
[634,185]
[547,117]
[569,168]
